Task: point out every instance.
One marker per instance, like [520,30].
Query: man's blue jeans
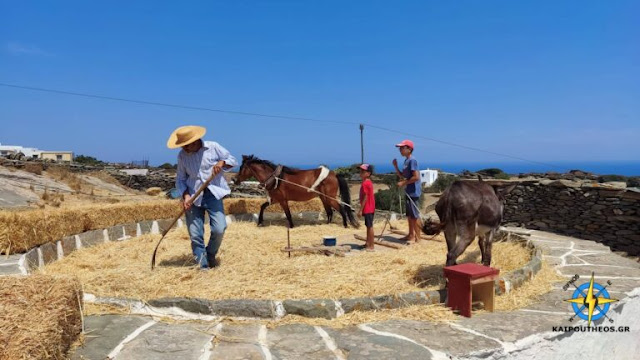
[195,224]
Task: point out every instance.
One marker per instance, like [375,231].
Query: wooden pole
[380,242]
[288,241]
[361,144]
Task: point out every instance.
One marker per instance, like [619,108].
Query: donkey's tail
[345,196]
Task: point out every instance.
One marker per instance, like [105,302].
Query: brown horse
[271,176]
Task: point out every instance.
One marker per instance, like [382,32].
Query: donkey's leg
[285,206]
[486,256]
[450,235]
[482,244]
[467,233]
[262,208]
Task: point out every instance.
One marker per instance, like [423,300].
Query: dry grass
[33,168]
[63,174]
[530,291]
[40,316]
[23,230]
[253,266]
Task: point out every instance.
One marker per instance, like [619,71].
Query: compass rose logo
[590,301]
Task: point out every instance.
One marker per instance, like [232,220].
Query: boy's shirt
[411,165]
[368,207]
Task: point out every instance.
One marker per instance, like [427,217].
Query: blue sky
[542,80]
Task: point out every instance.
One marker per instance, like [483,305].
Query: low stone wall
[143,182]
[250,308]
[584,210]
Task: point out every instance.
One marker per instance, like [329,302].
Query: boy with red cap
[411,175]
[367,203]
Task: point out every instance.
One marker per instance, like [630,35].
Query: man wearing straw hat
[197,161]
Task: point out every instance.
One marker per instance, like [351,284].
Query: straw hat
[185,135]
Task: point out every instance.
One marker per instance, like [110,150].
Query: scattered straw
[254,267]
[530,291]
[40,316]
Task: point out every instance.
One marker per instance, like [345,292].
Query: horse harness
[273,181]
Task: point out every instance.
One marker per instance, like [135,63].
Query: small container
[329,241]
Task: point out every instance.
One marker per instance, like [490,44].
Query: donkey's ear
[503,191]
[244,157]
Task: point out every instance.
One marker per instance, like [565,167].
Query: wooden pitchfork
[193,198]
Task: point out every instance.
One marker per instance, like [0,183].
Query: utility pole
[361,144]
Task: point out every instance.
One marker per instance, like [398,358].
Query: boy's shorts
[412,210]
[368,220]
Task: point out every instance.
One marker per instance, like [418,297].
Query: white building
[428,177]
[6,150]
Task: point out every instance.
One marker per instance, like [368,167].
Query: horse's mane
[253,159]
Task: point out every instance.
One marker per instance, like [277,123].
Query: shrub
[347,171]
[392,199]
[87,160]
[633,182]
[607,178]
[168,166]
[33,168]
[442,182]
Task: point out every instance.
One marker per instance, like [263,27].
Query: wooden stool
[468,283]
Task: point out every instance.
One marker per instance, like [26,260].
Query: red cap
[408,143]
[365,167]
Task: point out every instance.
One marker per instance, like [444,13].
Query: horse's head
[245,170]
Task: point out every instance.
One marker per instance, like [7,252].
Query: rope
[307,188]
[319,193]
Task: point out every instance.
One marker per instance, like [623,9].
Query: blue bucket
[329,241]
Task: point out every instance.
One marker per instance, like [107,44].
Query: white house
[428,177]
[6,150]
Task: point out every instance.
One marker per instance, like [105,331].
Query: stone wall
[584,210]
[141,182]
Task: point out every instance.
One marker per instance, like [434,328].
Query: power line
[245,113]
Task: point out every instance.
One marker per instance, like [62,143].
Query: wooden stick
[318,248]
[423,237]
[288,240]
[380,242]
[386,221]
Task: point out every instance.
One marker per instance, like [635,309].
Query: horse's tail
[345,196]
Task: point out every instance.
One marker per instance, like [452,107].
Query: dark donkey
[467,209]
[322,180]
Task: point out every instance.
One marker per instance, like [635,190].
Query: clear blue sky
[543,80]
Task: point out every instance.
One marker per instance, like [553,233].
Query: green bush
[494,173]
[607,178]
[168,166]
[392,199]
[633,182]
[442,182]
[347,171]
[87,160]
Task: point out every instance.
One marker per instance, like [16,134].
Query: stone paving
[522,334]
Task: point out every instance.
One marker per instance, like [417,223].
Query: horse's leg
[285,206]
[262,208]
[328,209]
[467,233]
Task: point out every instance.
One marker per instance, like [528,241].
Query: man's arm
[226,161]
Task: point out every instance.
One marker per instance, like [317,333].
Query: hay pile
[253,267]
[40,316]
[23,230]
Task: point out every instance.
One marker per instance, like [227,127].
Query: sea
[626,168]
